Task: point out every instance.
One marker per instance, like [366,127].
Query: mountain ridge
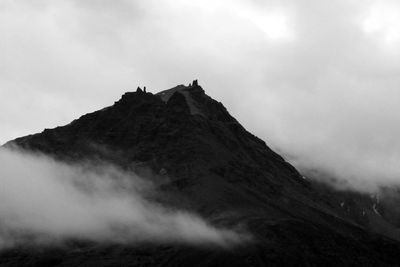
[215,166]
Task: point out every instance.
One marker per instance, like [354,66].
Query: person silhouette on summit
[144,89]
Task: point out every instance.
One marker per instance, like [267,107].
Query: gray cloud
[317,80]
[48,201]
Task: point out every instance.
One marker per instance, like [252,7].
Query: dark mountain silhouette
[206,162]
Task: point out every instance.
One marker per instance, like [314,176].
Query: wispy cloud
[44,201]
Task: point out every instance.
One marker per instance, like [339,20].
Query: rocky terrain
[203,160]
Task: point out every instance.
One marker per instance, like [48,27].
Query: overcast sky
[318,80]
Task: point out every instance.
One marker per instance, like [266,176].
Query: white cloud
[382,20]
[274,23]
[46,201]
[315,79]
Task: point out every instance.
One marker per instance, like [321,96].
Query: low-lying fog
[42,201]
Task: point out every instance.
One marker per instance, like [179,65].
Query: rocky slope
[205,161]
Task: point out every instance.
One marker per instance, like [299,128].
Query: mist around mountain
[46,202]
[172,179]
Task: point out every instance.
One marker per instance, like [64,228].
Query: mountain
[205,161]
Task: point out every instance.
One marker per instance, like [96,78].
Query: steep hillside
[203,160]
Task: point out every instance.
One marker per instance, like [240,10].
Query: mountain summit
[205,161]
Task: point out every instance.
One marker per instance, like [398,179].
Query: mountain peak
[147,124]
[204,160]
[194,86]
[189,93]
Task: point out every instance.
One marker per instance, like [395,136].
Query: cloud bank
[318,80]
[43,201]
